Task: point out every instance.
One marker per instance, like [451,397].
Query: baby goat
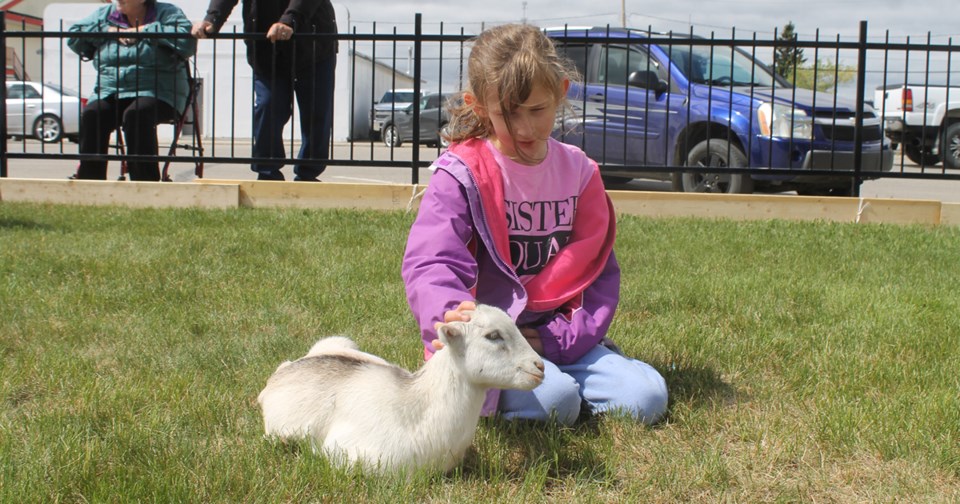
[358,407]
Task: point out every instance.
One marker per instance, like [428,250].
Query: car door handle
[598,97]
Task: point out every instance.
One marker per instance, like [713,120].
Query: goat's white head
[492,351]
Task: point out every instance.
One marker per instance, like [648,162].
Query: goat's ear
[451,334]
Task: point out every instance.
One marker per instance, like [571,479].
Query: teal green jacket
[152,67]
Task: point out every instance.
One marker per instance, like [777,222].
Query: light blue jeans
[602,379]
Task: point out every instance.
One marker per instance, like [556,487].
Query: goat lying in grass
[358,407]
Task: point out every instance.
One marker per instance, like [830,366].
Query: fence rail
[698,111]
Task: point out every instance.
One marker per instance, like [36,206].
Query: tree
[787,58]
[826,76]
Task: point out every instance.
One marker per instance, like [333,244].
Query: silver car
[46,112]
[433,121]
[392,101]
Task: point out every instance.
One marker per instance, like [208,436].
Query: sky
[901,17]
[826,19]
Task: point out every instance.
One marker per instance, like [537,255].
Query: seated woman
[141,82]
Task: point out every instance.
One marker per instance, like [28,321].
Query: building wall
[23,53]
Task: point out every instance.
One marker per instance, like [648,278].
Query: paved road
[947,191]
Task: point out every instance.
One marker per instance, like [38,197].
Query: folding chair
[187,121]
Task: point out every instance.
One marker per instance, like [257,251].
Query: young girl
[516,219]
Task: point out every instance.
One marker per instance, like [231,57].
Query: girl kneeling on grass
[519,220]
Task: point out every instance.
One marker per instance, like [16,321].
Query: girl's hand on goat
[458,314]
[455,315]
[533,338]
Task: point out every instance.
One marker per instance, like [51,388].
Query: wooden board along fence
[208,193]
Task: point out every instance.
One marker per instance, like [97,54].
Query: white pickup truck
[924,120]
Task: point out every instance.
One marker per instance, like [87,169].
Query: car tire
[922,156]
[951,147]
[444,131]
[720,154]
[48,128]
[390,135]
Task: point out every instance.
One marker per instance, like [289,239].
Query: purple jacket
[450,243]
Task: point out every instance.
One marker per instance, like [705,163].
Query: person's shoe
[269,176]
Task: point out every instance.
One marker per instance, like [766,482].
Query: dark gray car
[433,118]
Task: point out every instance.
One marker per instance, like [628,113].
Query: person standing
[290,61]
[141,82]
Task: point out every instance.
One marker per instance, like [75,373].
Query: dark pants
[139,118]
[273,107]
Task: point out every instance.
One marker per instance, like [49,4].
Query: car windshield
[719,66]
[397,97]
[62,90]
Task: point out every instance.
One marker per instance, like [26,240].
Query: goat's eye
[494,336]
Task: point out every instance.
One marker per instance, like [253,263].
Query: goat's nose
[539,365]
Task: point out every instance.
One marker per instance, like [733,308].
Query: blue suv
[650,101]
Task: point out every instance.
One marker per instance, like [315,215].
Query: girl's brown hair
[508,61]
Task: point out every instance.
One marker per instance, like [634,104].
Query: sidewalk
[914,189]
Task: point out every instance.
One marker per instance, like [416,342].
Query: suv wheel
[951,147]
[922,156]
[715,153]
[391,137]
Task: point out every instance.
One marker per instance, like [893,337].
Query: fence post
[417,58]
[3,95]
[858,119]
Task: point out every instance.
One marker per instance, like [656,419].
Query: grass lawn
[806,361]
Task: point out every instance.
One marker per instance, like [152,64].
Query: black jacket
[305,16]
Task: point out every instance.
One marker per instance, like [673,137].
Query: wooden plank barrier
[257,193]
[129,194]
[733,206]
[209,193]
[950,214]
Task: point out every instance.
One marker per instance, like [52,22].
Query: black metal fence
[705,113]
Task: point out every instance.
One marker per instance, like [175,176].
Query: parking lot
[900,188]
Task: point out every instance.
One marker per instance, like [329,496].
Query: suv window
[617,63]
[577,53]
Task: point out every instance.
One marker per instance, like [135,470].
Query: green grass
[805,361]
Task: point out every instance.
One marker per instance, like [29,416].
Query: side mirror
[647,79]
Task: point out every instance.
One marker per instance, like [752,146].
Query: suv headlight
[784,121]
